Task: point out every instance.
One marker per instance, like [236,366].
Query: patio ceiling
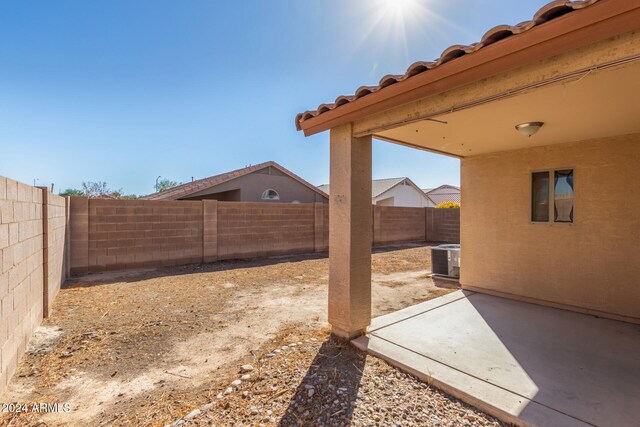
[596,104]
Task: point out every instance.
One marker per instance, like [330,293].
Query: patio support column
[350,233]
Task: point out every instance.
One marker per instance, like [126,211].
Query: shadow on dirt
[329,390]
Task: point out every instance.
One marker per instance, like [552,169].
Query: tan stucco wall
[592,265]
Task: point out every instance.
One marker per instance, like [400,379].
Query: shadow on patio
[524,363]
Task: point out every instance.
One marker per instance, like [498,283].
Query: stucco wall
[253,185]
[592,265]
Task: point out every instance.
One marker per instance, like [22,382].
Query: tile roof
[184,190]
[378,186]
[444,193]
[546,13]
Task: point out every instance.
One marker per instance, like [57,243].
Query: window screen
[563,198]
[540,196]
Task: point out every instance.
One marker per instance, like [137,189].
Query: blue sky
[125,91]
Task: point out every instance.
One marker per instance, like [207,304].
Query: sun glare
[391,26]
[400,7]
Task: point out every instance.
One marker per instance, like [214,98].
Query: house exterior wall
[252,186]
[592,265]
[403,195]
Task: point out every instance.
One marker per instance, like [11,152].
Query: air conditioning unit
[445,260]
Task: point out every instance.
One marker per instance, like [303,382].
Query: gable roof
[557,27]
[444,193]
[380,186]
[185,190]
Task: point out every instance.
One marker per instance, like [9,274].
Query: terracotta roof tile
[546,13]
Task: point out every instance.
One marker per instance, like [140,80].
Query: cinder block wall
[54,229]
[44,238]
[32,235]
[120,234]
[398,224]
[262,229]
[443,225]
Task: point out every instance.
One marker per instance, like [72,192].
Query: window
[540,197]
[561,205]
[563,195]
[270,195]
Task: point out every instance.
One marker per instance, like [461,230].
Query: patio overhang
[573,67]
[596,102]
[590,22]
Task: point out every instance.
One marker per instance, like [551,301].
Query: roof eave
[604,19]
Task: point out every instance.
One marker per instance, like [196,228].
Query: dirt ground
[146,347]
[325,381]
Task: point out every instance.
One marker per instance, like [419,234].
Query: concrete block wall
[54,227]
[120,234]
[262,229]
[44,238]
[54,219]
[32,235]
[398,224]
[443,225]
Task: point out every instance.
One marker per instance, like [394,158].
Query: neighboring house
[544,116]
[394,192]
[444,193]
[266,182]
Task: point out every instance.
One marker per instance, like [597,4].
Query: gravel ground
[325,381]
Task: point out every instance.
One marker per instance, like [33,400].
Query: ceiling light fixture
[529,129]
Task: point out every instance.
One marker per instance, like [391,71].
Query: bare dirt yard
[148,347]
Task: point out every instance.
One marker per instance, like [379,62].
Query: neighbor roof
[444,193]
[380,186]
[185,190]
[422,79]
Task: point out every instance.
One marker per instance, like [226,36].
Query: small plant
[72,192]
[448,205]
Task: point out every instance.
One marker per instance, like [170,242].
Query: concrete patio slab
[524,363]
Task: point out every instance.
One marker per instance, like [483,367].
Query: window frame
[551,221]
[270,199]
